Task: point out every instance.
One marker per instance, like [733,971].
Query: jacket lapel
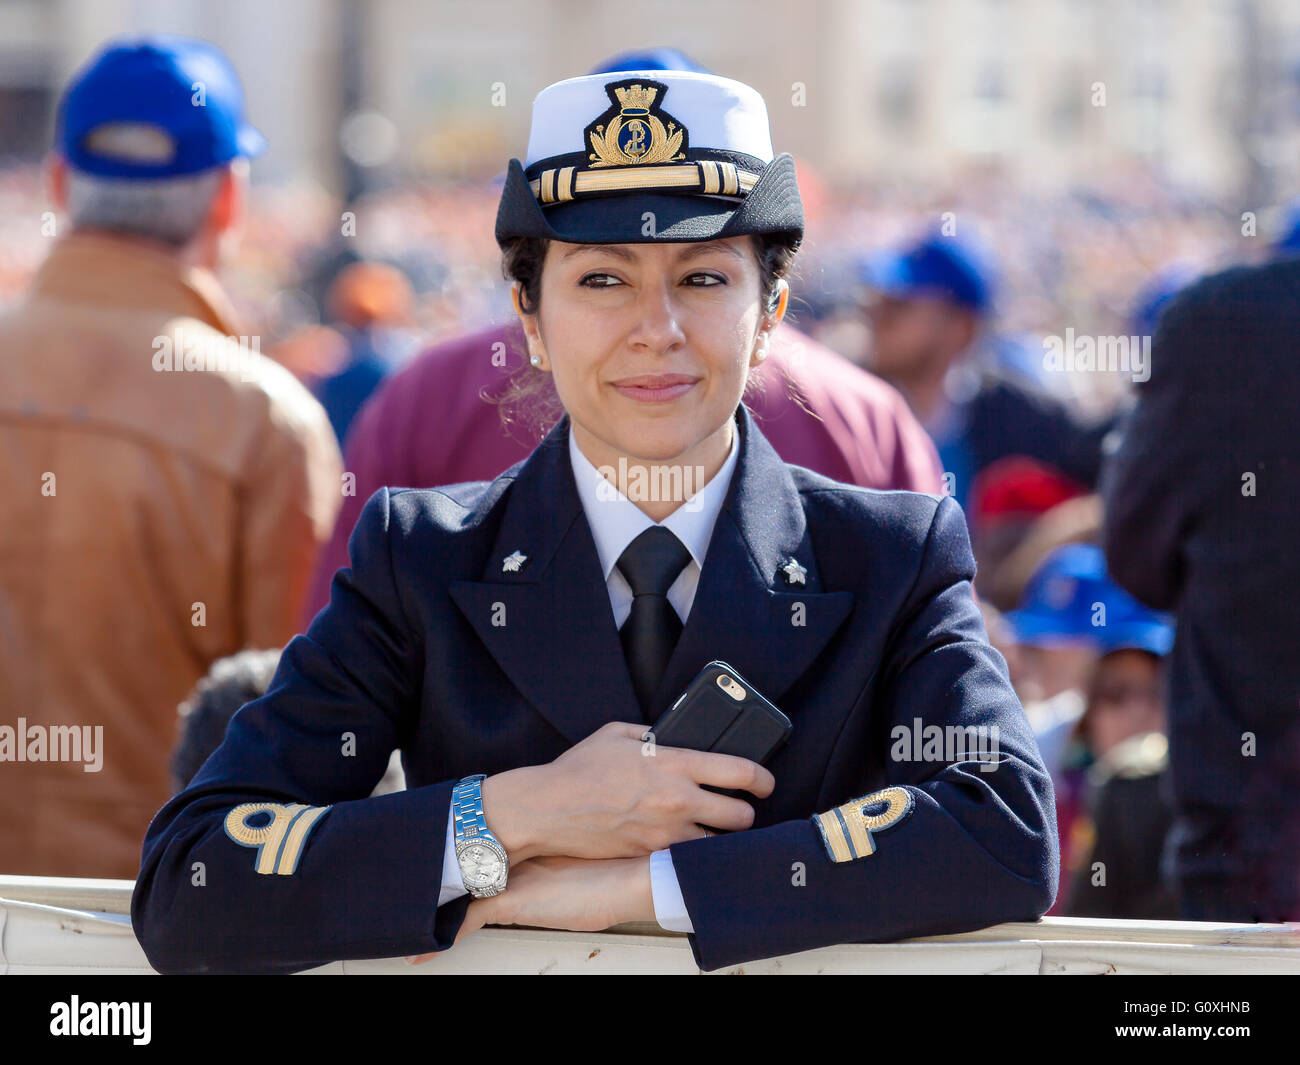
[550,627]
[549,624]
[746,612]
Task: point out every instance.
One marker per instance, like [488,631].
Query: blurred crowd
[1073,257]
[1077,258]
[947,294]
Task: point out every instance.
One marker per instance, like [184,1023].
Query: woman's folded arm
[275,858]
[960,838]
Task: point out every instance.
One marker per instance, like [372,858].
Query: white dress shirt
[615,522]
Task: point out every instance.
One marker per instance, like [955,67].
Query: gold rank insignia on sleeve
[846,830]
[280,840]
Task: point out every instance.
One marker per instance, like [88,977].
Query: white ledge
[53,925]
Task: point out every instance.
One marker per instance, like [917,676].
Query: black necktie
[651,563]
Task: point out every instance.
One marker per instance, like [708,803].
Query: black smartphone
[722,712]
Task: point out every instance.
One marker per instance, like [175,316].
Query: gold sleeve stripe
[241,832]
[858,834]
[847,830]
[833,836]
[297,836]
[900,805]
[238,829]
[279,842]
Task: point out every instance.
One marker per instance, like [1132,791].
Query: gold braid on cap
[708,176]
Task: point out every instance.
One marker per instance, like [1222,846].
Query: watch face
[480,865]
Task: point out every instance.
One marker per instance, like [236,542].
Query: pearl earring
[536,360]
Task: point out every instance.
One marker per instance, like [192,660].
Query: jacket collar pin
[794,573]
[514,562]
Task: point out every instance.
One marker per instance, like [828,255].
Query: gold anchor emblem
[634,134]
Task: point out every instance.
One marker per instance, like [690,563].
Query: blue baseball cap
[649,59]
[1059,606]
[958,271]
[180,97]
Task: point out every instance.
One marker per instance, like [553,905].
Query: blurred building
[1050,90]
[286,52]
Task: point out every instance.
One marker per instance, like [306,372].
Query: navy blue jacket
[1201,516]
[407,655]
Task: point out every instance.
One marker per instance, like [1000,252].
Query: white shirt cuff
[670,907]
[453,886]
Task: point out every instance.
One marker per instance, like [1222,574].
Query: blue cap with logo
[936,266]
[177,100]
[1060,602]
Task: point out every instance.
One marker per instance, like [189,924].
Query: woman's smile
[656,388]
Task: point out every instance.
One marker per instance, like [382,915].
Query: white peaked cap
[719,113]
[630,157]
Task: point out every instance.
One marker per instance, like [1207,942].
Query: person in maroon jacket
[440,420]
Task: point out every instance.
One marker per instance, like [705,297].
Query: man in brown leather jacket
[164,489]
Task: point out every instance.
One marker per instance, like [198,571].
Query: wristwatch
[482,859]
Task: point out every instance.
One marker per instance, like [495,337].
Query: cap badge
[632,131]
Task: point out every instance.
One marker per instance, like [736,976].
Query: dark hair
[206,712]
[530,395]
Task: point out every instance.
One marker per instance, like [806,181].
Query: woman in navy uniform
[514,638]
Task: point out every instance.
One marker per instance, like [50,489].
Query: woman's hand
[571,893]
[615,795]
